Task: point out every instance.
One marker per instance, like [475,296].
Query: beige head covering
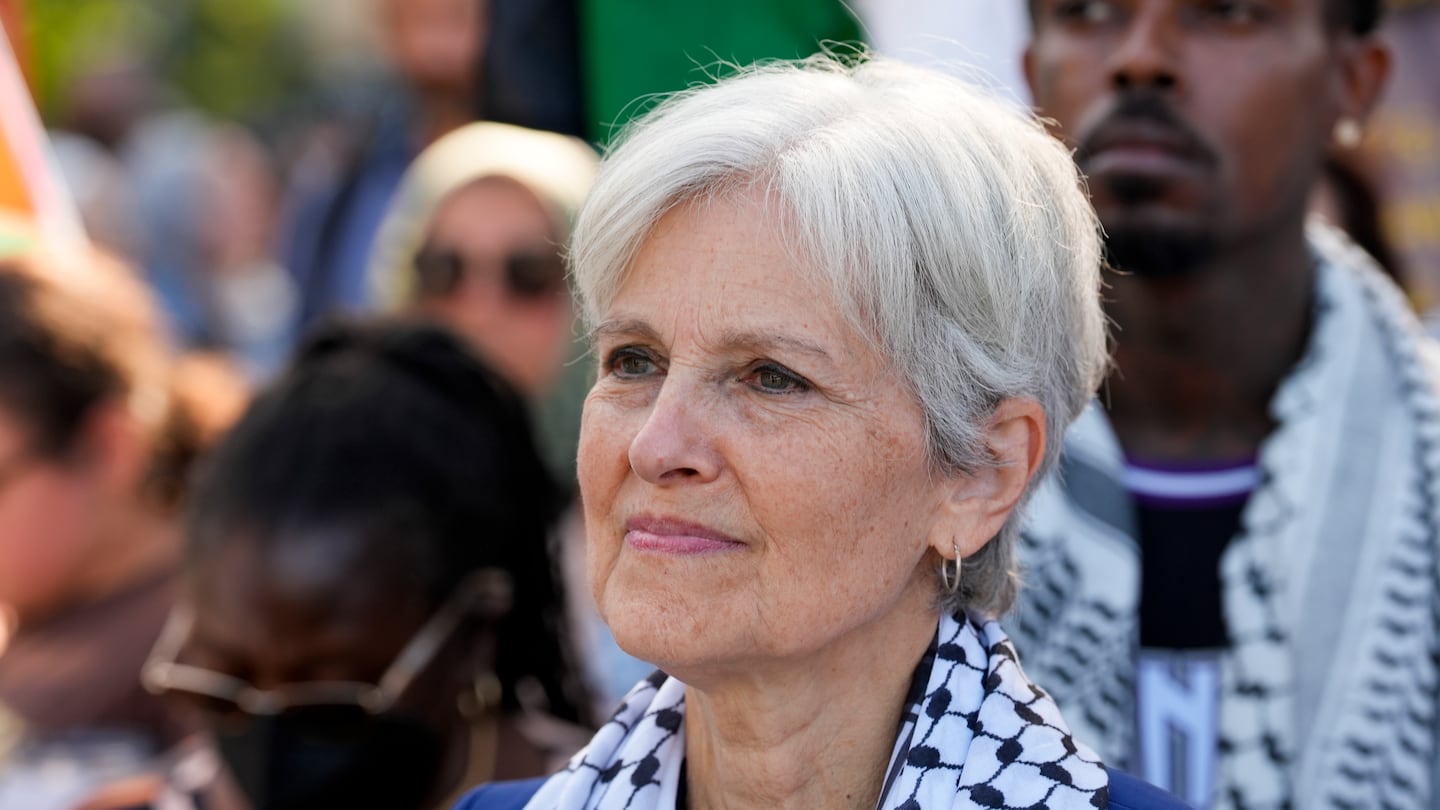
[558,168]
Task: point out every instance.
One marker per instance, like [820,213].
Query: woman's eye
[774,380]
[631,363]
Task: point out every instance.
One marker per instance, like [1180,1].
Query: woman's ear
[977,504]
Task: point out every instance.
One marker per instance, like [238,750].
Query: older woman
[842,315]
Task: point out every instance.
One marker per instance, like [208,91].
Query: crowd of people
[838,432]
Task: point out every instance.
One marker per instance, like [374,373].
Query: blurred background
[255,163]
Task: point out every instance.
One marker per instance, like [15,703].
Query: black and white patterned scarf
[1328,690]
[979,734]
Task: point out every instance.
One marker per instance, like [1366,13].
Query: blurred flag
[34,204]
[633,50]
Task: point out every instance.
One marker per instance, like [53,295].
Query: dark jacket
[1126,793]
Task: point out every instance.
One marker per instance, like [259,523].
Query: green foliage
[66,37]
[232,58]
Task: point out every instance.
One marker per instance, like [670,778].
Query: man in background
[1230,584]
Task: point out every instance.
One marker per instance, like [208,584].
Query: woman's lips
[677,537]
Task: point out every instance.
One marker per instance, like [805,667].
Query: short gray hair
[955,232]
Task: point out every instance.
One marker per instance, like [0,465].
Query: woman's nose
[674,445]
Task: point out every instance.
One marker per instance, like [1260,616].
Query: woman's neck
[815,732]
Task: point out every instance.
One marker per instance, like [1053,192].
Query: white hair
[954,231]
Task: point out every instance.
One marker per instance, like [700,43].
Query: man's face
[1200,123]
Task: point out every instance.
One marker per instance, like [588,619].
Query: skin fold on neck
[813,732]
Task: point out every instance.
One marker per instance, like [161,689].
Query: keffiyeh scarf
[1328,690]
[979,734]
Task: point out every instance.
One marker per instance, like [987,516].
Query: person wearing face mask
[369,616]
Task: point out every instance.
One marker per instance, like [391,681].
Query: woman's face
[50,521]
[753,472]
[318,607]
[524,335]
[310,608]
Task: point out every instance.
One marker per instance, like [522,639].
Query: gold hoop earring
[951,584]
[1347,133]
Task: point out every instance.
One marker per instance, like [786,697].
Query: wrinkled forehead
[830,280]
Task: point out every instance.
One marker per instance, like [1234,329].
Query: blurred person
[369,616]
[435,46]
[135,164]
[190,201]
[250,300]
[195,204]
[1230,581]
[530,70]
[838,310]
[344,187]
[110,96]
[99,425]
[473,240]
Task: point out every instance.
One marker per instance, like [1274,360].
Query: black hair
[82,332]
[395,435]
[1359,17]
[53,369]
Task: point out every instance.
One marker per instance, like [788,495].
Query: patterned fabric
[1328,688]
[980,734]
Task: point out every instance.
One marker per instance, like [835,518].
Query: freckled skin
[827,486]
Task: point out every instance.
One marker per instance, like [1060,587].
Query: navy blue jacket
[1126,793]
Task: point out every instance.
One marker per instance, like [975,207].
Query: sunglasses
[226,699]
[529,274]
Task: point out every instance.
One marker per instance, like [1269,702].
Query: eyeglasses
[224,695]
[529,274]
